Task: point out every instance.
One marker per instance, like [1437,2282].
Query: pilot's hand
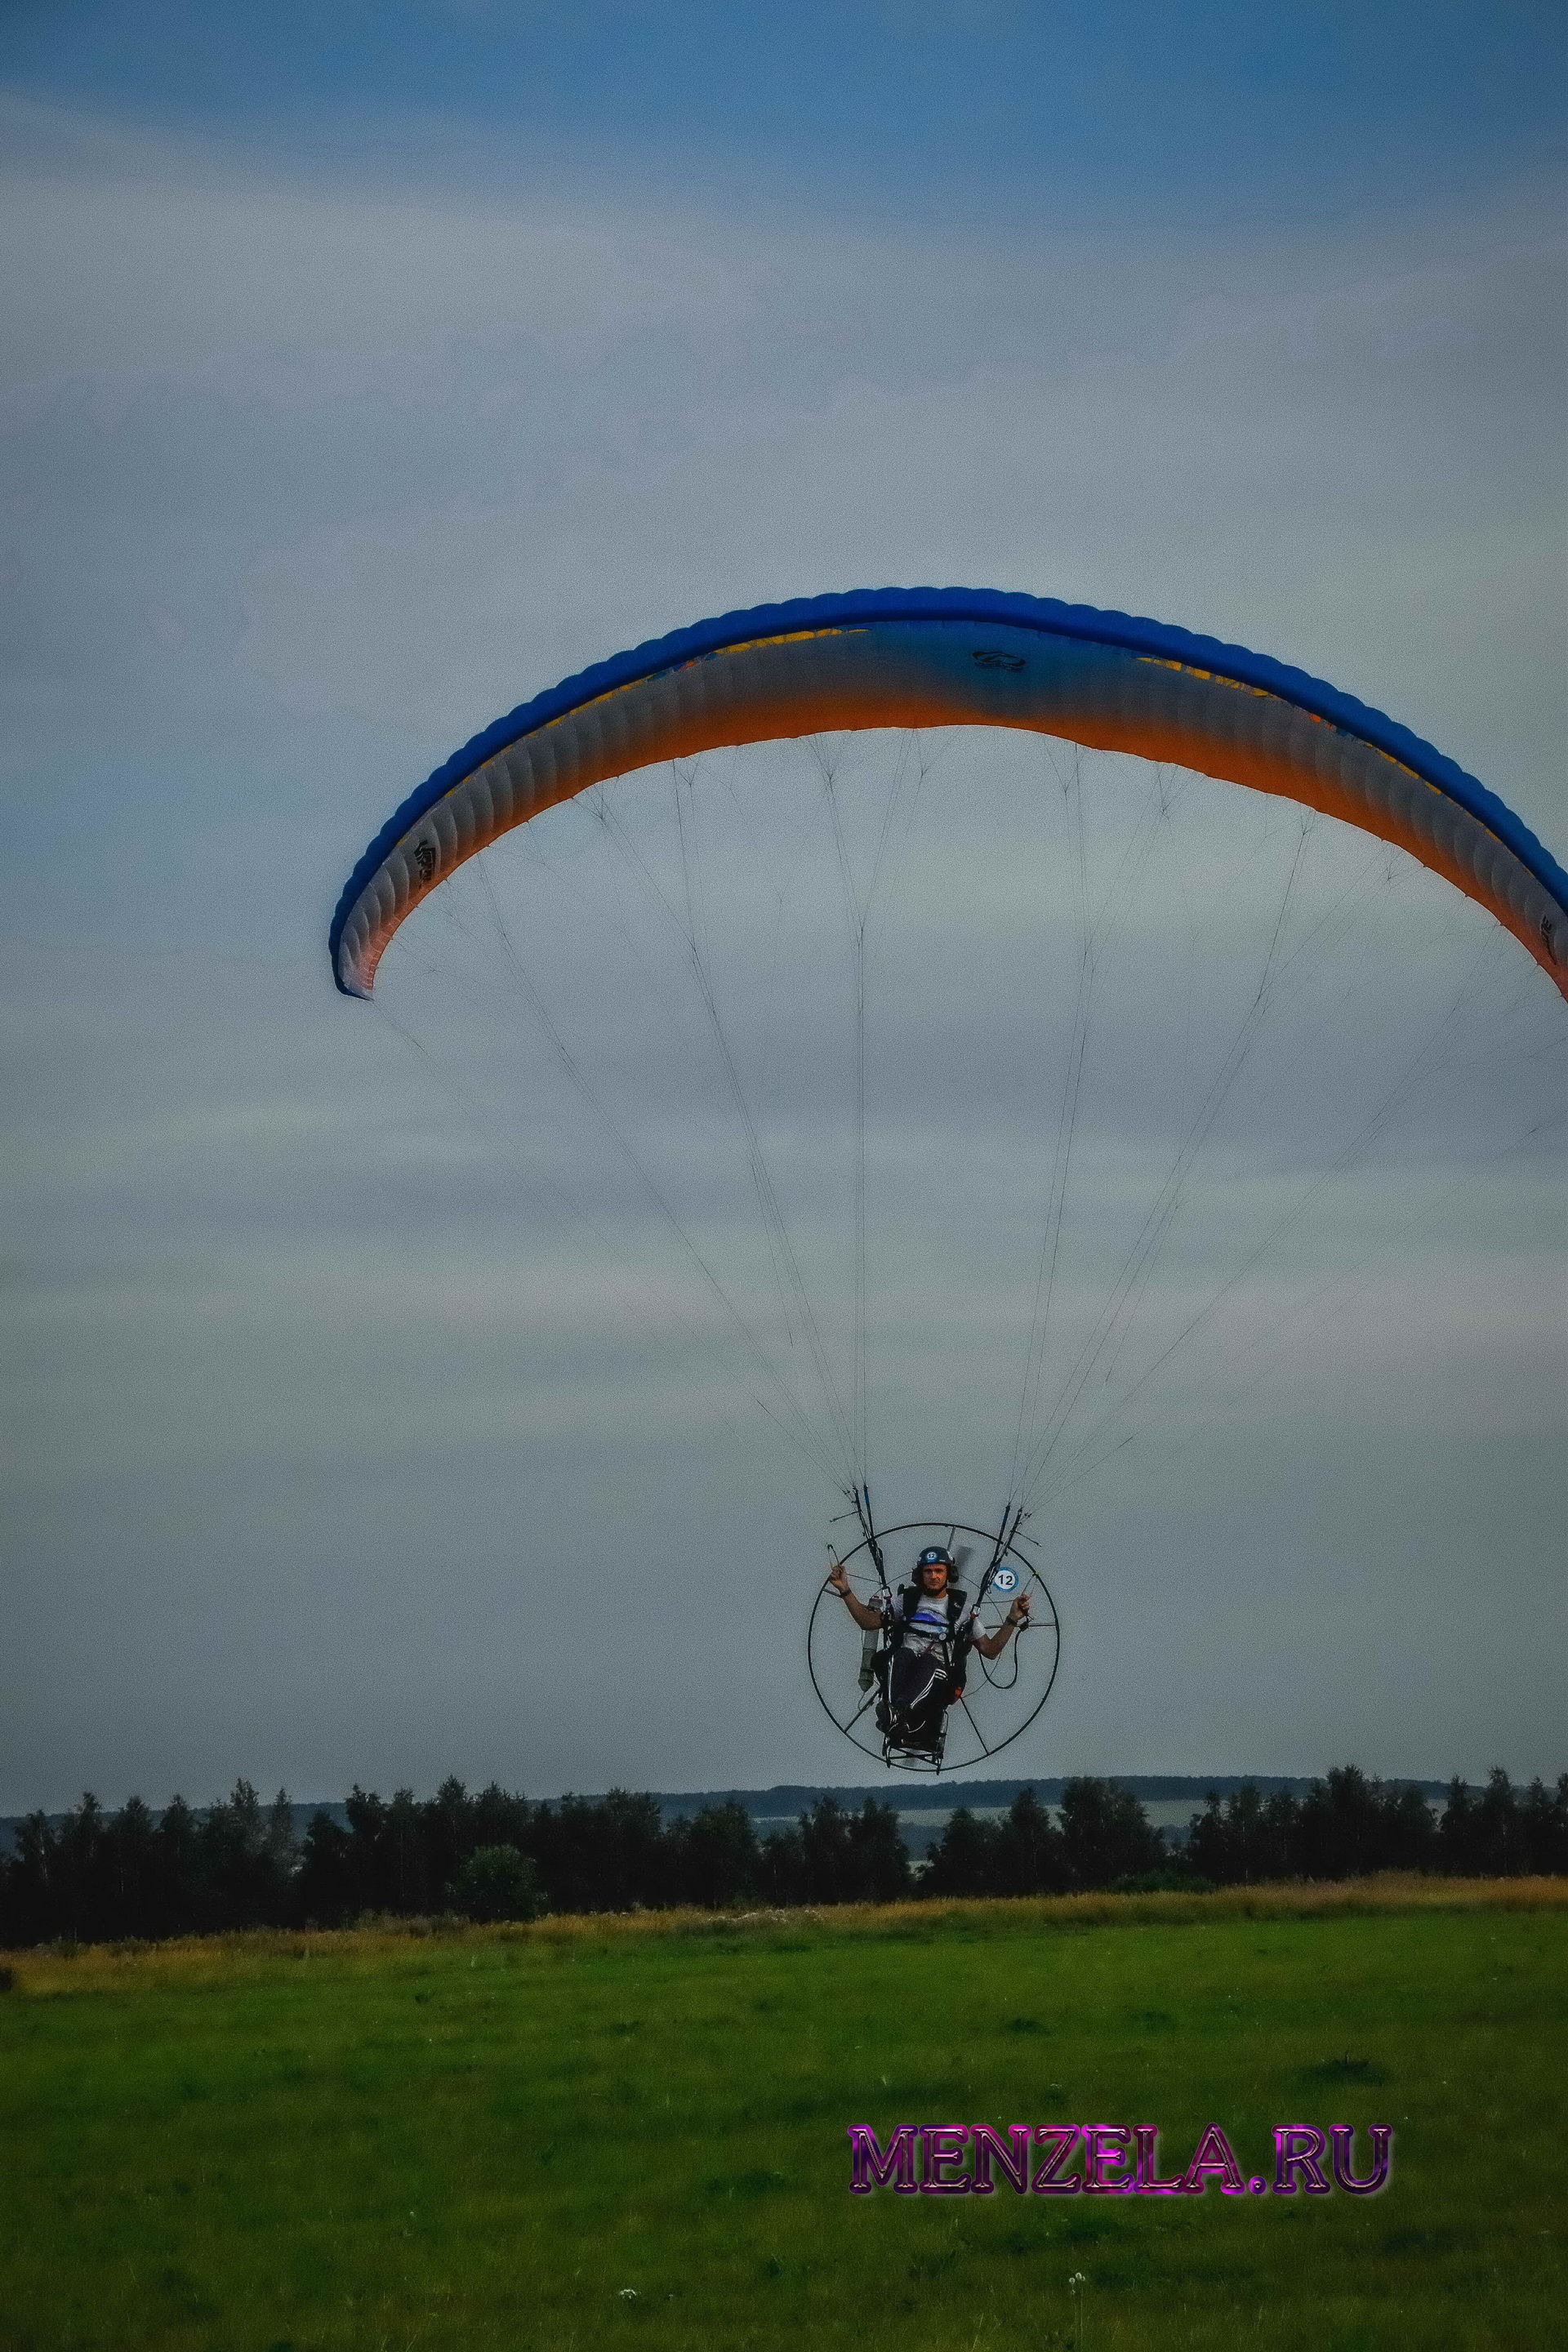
[837,1578]
[1020,1609]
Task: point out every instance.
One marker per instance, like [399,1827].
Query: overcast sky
[360,374]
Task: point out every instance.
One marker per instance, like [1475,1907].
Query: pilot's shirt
[925,1627]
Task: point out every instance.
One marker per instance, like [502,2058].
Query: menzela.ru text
[1106,2159]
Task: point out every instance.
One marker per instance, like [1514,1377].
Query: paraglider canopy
[950,657]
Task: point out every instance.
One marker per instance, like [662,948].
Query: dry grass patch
[381,1943]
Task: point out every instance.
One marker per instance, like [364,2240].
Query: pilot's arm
[991,1645]
[867,1615]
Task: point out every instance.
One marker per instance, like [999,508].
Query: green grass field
[482,2138]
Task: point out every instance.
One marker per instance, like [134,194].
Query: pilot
[930,1640]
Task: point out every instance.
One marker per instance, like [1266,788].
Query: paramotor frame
[981,1720]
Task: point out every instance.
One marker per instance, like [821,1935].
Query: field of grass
[485,2137]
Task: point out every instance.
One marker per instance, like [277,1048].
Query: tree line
[1348,1825]
[97,1876]
[1345,1826]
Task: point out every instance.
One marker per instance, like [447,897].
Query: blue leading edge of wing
[1082,622]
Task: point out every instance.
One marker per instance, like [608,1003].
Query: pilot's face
[933,1576]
